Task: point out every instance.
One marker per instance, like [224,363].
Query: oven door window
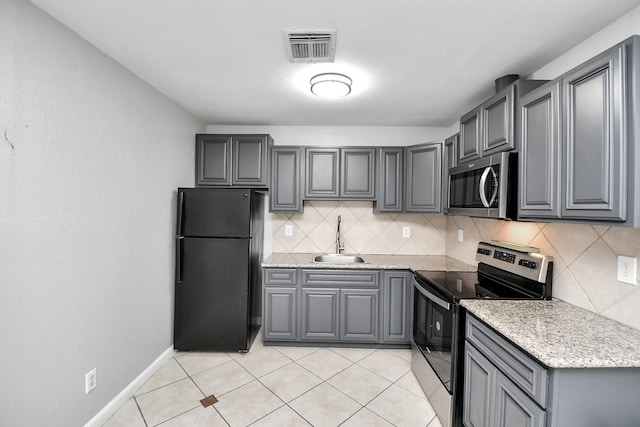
[433,334]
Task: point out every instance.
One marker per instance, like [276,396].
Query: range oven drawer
[512,361]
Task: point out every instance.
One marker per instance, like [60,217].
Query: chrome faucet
[339,245]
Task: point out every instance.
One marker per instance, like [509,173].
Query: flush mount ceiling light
[330,85]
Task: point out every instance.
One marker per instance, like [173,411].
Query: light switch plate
[406,232]
[288,230]
[627,269]
[460,235]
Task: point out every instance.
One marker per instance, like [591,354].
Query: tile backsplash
[362,231]
[585,256]
[585,259]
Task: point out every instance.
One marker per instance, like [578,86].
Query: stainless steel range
[505,271]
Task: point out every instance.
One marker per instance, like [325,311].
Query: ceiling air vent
[310,46]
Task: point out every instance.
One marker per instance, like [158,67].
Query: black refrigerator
[218,291]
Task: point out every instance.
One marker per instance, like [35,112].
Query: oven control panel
[504,256]
[523,261]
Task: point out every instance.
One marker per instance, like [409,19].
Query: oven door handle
[436,299]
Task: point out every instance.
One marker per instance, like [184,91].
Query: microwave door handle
[494,178]
[483,181]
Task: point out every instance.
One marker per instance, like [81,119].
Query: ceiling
[413,62]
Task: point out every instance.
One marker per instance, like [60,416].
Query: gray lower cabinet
[359,315]
[280,304]
[506,387]
[423,178]
[280,320]
[396,309]
[285,190]
[320,314]
[577,139]
[336,305]
[232,160]
[390,183]
[340,173]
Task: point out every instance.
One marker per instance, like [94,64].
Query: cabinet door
[469,144]
[479,383]
[357,171]
[497,122]
[396,297]
[540,153]
[450,160]
[285,192]
[320,314]
[513,408]
[322,173]
[423,184]
[213,160]
[359,315]
[280,314]
[594,132]
[250,160]
[390,179]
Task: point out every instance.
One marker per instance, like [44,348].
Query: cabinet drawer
[280,276]
[338,278]
[520,368]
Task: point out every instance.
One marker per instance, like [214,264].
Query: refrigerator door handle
[179,240]
[180,211]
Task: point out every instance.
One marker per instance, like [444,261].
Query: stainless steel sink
[339,259]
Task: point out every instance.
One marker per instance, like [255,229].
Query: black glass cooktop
[453,284]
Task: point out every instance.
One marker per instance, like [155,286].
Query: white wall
[617,31]
[341,135]
[88,170]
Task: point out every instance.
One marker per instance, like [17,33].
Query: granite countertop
[561,335]
[376,262]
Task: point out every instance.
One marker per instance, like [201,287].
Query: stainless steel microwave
[485,187]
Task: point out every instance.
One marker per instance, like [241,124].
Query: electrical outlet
[90,380]
[460,235]
[288,230]
[627,269]
[406,232]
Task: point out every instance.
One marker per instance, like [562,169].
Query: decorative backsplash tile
[585,259]
[362,231]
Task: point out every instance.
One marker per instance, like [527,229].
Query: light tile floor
[282,386]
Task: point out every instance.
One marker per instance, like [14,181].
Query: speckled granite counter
[377,262]
[561,335]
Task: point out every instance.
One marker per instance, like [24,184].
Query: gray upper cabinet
[232,160]
[497,122]
[540,152]
[469,143]
[340,173]
[488,128]
[423,179]
[578,156]
[390,179]
[357,173]
[322,173]
[450,160]
[595,137]
[285,190]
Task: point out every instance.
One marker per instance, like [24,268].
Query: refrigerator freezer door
[214,212]
[212,301]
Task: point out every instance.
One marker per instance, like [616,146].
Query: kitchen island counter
[372,262]
[561,335]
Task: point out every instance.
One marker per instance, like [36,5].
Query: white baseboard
[116,403]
